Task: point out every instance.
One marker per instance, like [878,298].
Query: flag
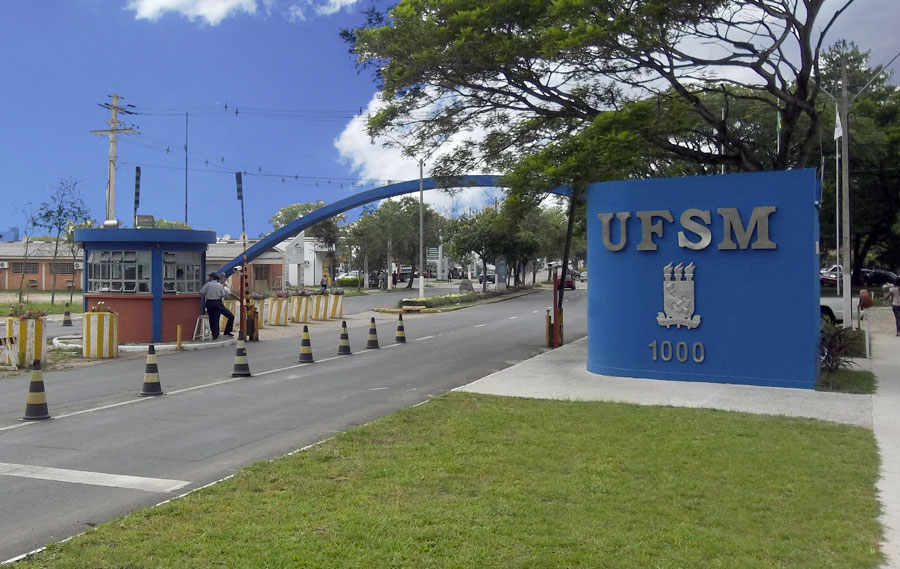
[838,130]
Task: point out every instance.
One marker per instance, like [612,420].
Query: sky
[266,87]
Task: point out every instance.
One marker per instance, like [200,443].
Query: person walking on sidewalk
[213,293]
[894,294]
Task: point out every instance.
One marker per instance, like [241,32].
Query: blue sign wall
[705,278]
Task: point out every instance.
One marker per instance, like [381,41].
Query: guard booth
[150,277]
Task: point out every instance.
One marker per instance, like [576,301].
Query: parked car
[877,277]
[583,276]
[830,276]
[491,278]
[570,281]
[831,308]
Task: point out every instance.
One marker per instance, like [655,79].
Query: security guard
[213,293]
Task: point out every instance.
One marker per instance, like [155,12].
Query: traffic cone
[344,342]
[372,342]
[151,375]
[36,403]
[305,348]
[241,366]
[67,317]
[400,338]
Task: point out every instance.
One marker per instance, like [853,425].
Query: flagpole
[837,212]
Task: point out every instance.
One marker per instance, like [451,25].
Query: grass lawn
[470,481]
[847,381]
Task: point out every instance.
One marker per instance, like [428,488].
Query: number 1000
[665,351]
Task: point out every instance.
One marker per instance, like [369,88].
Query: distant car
[491,278]
[348,275]
[583,276]
[878,277]
[570,281]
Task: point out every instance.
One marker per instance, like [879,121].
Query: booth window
[123,272]
[181,271]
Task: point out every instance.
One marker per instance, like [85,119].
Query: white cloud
[211,11]
[330,7]
[374,162]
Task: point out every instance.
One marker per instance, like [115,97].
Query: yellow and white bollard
[337,305]
[30,338]
[100,331]
[278,312]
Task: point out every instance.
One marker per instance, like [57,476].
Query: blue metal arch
[362,198]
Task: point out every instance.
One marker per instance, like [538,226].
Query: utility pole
[186,168]
[421,234]
[116,127]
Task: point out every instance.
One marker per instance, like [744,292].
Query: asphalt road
[108,452]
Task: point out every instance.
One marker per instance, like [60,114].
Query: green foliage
[349,282]
[438,301]
[874,138]
[393,228]
[836,347]
[528,73]
[160,223]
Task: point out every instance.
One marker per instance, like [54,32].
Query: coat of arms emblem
[678,297]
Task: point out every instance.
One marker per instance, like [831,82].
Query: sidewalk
[561,374]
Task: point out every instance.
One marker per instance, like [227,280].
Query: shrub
[837,346]
[348,282]
[437,301]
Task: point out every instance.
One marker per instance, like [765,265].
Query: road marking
[513,317]
[424,338]
[378,388]
[92,478]
[479,325]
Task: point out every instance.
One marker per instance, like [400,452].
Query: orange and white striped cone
[305,348]
[241,365]
[400,338]
[372,341]
[344,341]
[36,403]
[151,387]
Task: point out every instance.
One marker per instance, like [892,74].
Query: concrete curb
[73,343]
[438,310]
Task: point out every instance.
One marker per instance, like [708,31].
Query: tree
[874,136]
[525,72]
[481,235]
[71,246]
[65,207]
[326,231]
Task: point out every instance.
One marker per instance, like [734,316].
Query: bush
[348,282]
[837,346]
[437,301]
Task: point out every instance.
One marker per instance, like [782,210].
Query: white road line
[513,317]
[92,478]
[424,338]
[479,325]
[16,426]
[378,388]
